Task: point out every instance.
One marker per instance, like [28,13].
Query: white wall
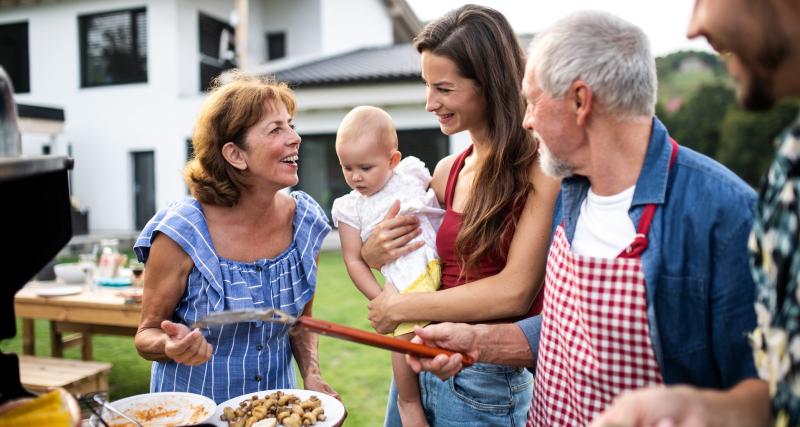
[105,124]
[299,19]
[360,23]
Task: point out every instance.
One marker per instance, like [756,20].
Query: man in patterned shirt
[761,43]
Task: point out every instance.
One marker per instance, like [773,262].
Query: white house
[130,76]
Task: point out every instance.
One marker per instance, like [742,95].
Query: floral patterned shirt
[775,247]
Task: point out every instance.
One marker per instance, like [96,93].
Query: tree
[748,139]
[698,123]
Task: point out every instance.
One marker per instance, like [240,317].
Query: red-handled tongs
[327,328]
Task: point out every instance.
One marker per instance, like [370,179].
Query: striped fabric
[252,356]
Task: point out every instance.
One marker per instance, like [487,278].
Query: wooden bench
[78,377]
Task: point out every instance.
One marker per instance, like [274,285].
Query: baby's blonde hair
[368,119]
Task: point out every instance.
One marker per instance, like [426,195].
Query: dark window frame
[274,36]
[211,62]
[20,72]
[138,75]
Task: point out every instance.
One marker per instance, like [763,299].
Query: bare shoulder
[286,205]
[166,252]
[440,175]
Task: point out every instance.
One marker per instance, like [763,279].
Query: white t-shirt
[604,228]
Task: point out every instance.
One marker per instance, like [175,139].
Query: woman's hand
[380,309]
[185,346]
[316,383]
[390,239]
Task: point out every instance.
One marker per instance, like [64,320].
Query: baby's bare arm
[358,270]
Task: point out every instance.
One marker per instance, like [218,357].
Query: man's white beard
[550,164]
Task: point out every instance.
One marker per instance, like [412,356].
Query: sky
[664,22]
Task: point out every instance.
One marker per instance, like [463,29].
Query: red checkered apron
[595,339]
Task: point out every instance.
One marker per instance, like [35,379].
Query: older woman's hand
[390,239]
[184,345]
[380,310]
[316,383]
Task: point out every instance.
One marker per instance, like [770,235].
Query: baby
[366,144]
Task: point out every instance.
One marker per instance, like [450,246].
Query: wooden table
[101,311]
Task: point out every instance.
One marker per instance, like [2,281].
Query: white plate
[169,408]
[334,410]
[58,291]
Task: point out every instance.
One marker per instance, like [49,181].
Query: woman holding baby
[496,228]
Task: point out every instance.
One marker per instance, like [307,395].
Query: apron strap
[639,244]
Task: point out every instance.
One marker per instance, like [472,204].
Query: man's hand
[380,308]
[389,240]
[745,405]
[459,337]
[185,346]
[658,406]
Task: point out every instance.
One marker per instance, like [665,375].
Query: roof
[398,62]
[367,65]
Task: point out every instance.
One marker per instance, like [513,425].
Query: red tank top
[446,244]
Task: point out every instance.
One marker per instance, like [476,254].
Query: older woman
[238,242]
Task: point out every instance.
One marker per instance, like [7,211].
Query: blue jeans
[481,395]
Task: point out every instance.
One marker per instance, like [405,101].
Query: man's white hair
[610,54]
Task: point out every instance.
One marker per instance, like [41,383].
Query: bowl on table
[71,272]
[160,409]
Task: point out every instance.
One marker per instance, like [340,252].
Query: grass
[360,374]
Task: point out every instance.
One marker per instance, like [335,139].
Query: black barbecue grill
[35,219]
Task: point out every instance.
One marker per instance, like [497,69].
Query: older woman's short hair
[610,54]
[235,103]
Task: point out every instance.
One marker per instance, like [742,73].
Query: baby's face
[366,164]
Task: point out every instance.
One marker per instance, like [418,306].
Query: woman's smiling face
[272,147]
[456,100]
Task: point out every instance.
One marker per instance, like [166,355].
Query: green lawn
[360,374]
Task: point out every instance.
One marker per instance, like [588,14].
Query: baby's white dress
[418,271]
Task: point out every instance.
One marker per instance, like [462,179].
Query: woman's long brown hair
[484,47]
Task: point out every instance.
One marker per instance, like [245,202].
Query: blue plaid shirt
[248,356]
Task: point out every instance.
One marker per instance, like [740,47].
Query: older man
[647,279]
[761,43]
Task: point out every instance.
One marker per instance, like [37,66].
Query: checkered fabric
[595,340]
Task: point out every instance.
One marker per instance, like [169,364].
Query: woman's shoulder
[442,170]
[307,212]
[182,221]
[303,200]
[185,215]
[441,173]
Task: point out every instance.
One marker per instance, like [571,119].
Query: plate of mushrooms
[280,408]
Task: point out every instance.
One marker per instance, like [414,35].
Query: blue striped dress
[252,356]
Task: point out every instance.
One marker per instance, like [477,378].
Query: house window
[113,47]
[276,45]
[14,55]
[189,150]
[217,49]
